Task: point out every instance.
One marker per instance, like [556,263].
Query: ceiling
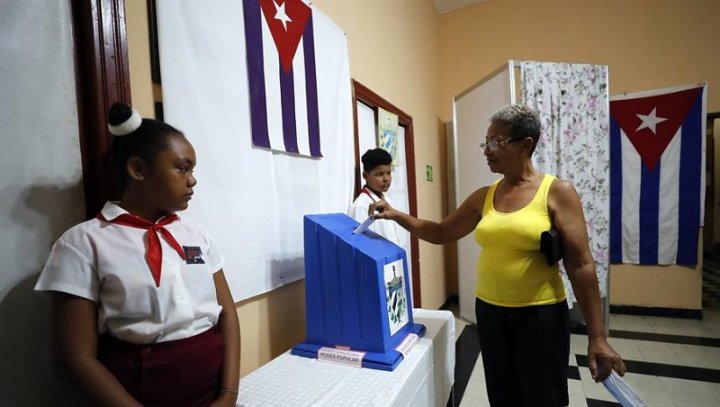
[445,6]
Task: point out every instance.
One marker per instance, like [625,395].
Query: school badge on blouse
[193,255]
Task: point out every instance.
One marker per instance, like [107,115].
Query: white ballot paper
[364,226]
[622,391]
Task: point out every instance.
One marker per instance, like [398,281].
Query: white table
[424,378]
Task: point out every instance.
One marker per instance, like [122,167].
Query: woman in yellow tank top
[520,306]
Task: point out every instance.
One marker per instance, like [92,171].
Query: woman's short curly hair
[520,121]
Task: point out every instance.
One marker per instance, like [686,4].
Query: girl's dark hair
[374,158]
[144,141]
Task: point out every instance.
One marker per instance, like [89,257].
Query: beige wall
[270,324]
[647,44]
[139,57]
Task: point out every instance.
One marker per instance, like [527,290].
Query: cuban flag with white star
[281,59]
[657,176]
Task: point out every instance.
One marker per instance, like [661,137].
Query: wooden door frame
[362,93]
[102,77]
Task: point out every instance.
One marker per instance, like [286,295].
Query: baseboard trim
[657,311]
[453,299]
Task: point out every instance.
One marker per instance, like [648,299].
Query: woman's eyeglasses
[494,145]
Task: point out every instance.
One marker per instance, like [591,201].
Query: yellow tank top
[511,270]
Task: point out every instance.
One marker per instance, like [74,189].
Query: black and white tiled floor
[672,362]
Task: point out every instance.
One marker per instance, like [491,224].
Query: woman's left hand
[602,358]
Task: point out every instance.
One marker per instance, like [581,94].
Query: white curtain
[573,103]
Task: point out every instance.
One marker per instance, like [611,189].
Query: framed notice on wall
[387,133]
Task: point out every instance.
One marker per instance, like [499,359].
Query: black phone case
[551,245]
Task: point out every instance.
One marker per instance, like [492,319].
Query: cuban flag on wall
[657,176]
[281,72]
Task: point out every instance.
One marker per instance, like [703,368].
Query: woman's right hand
[381,210]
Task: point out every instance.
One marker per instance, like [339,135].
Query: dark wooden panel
[102,78]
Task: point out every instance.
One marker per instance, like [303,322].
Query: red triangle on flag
[286,20]
[651,122]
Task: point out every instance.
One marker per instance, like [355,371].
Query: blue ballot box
[357,294]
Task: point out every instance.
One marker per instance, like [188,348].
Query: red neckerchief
[366,191]
[154,250]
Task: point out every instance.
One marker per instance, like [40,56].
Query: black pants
[525,353]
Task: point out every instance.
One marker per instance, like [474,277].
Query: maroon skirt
[185,372]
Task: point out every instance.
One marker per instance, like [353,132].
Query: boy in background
[377,173]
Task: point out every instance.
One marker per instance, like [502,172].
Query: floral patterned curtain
[573,103]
